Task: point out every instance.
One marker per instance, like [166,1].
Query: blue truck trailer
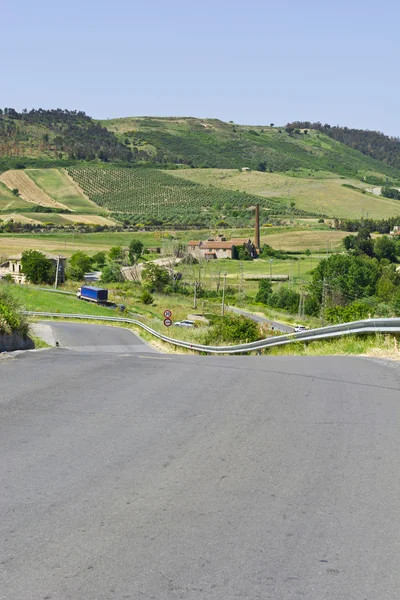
[93,294]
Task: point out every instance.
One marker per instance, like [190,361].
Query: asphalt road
[84,337]
[150,476]
[275,324]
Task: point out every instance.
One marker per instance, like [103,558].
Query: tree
[385,247]
[99,259]
[79,264]
[135,251]
[155,277]
[112,273]
[262,166]
[264,291]
[15,191]
[345,277]
[37,268]
[116,254]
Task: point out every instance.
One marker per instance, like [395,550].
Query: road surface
[275,324]
[149,476]
[84,337]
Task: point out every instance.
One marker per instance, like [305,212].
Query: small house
[13,266]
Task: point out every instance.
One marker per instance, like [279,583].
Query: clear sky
[253,62]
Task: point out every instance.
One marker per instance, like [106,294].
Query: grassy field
[10,202]
[56,184]
[40,301]
[320,192]
[280,238]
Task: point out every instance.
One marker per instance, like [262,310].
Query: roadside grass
[318,193]
[39,343]
[378,345]
[40,301]
[57,185]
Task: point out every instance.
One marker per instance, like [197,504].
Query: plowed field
[28,190]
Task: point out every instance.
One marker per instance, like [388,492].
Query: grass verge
[377,345]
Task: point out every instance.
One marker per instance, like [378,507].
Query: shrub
[11,319]
[232,329]
[111,273]
[264,291]
[146,297]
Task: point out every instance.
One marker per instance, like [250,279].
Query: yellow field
[320,193]
[28,190]
[301,240]
[91,219]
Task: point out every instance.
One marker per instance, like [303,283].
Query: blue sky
[252,62]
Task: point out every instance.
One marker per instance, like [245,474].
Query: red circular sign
[167,314]
[167,322]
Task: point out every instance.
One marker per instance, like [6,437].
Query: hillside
[154,171]
[154,196]
[376,144]
[214,143]
[57,135]
[320,192]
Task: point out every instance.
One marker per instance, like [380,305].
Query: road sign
[167,314]
[167,322]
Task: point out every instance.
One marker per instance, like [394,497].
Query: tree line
[371,143]
[70,133]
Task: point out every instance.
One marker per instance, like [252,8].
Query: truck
[93,294]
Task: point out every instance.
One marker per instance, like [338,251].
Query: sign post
[167,318]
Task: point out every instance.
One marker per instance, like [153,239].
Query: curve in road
[84,337]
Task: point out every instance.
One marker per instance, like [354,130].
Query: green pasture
[57,185]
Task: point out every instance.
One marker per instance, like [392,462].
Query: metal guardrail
[354,328]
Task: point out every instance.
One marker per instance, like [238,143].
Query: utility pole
[57,270]
[223,297]
[194,296]
[270,268]
[301,305]
[323,302]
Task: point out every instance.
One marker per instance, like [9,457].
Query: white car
[300,328]
[184,323]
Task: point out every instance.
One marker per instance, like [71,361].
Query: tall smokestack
[257,228]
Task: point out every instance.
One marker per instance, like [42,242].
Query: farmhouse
[220,248]
[13,266]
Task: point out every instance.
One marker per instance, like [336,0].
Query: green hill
[187,171]
[216,144]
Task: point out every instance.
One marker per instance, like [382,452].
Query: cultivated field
[10,202]
[152,192]
[57,185]
[313,192]
[29,191]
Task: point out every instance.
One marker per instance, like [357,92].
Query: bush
[232,329]
[11,319]
[146,297]
[112,273]
[264,291]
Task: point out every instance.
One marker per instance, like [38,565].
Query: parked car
[300,328]
[184,323]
